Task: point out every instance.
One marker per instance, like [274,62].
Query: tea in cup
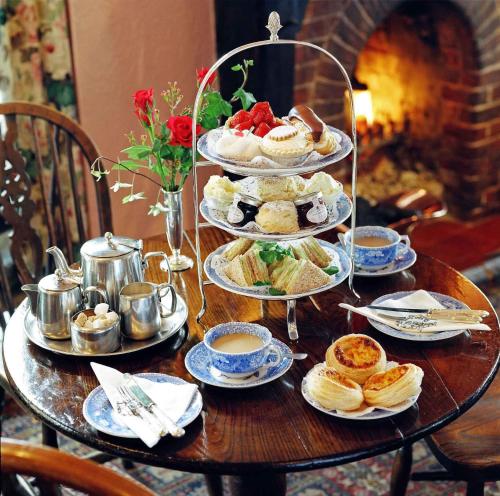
[375,247]
[239,349]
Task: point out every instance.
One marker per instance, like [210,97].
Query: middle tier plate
[215,263]
[337,213]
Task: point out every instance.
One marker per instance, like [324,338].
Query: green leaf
[245,97]
[262,283]
[137,151]
[164,131]
[331,270]
[216,106]
[276,292]
[156,145]
[268,256]
[209,122]
[127,165]
[186,167]
[236,67]
[166,151]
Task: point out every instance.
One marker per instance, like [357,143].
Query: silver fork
[137,409]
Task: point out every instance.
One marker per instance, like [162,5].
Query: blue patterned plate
[198,364]
[337,213]
[99,413]
[215,263]
[445,300]
[405,259]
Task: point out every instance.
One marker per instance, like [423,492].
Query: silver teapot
[109,262]
[54,300]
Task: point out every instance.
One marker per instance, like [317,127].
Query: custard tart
[393,386]
[332,390]
[356,356]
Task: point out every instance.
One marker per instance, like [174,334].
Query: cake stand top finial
[274,25]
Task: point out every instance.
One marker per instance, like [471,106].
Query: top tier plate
[207,150]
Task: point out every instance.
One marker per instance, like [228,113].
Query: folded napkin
[418,299]
[173,399]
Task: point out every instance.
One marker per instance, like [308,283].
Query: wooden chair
[65,143]
[469,449]
[55,466]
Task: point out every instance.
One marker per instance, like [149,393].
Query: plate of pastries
[256,142]
[264,207]
[357,382]
[277,271]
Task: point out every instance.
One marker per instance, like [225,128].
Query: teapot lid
[110,246]
[57,282]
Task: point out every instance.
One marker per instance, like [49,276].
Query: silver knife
[152,407]
[446,313]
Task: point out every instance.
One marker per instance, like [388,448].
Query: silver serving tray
[170,326]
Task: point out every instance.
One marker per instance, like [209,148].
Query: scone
[332,390]
[238,145]
[245,270]
[278,217]
[317,133]
[310,249]
[324,183]
[286,145]
[393,386]
[297,276]
[357,356]
[276,188]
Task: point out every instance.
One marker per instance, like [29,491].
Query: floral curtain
[36,66]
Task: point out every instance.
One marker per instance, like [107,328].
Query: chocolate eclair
[315,130]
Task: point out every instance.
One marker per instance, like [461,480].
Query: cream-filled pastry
[324,183]
[333,390]
[284,143]
[278,217]
[238,145]
[357,356]
[393,386]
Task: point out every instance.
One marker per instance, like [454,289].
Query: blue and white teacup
[238,365]
[372,258]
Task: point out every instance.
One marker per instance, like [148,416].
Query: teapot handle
[163,264]
[90,289]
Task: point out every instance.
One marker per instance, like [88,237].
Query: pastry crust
[332,390]
[285,142]
[356,356]
[394,385]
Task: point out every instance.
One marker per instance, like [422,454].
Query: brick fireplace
[435,65]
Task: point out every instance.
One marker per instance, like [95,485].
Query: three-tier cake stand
[273,26]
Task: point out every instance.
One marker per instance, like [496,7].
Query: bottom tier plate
[215,263]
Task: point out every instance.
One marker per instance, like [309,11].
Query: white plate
[206,149]
[376,413]
[198,364]
[215,263]
[99,413]
[337,214]
[445,300]
[406,257]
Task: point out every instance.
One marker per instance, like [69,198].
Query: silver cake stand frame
[273,26]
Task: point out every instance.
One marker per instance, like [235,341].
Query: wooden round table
[270,429]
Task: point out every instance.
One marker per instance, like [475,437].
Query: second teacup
[142,310]
[239,349]
[375,247]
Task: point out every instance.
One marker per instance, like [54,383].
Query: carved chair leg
[401,470]
[261,484]
[475,488]
[49,438]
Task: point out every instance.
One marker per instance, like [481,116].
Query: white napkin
[418,299]
[173,399]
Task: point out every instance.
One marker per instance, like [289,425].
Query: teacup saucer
[406,257]
[198,364]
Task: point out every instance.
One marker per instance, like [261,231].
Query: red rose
[143,103]
[180,130]
[201,73]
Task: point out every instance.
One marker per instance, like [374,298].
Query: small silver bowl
[92,341]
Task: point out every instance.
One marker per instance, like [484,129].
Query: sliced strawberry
[262,130]
[240,117]
[245,125]
[261,112]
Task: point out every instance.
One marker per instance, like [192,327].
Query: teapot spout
[62,264]
[31,291]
